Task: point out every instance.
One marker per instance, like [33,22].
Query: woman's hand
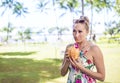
[76,62]
[67,57]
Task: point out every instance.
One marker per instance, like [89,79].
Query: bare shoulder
[96,51]
[95,47]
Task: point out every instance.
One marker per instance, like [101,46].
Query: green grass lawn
[112,61]
[40,63]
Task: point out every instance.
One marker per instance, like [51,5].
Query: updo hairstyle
[82,20]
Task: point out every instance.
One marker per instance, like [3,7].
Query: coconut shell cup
[73,52]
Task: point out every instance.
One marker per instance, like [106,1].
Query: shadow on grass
[17,53]
[28,70]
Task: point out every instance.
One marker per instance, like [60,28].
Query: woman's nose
[77,34]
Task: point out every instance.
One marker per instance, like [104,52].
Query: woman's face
[79,32]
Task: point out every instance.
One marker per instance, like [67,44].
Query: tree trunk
[91,19]
[82,7]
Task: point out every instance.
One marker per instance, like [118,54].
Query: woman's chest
[87,57]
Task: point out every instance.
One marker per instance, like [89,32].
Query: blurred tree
[24,34]
[27,33]
[43,7]
[54,7]
[15,7]
[8,30]
[21,35]
[98,6]
[114,32]
[71,5]
[82,1]
[60,31]
[117,7]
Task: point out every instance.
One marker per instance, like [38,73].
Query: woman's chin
[77,41]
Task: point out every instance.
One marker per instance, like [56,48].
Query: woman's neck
[82,44]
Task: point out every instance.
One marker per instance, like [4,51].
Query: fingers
[72,62]
[66,53]
[66,58]
[76,62]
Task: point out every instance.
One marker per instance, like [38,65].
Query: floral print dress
[75,76]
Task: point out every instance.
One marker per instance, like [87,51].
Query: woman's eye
[79,31]
[74,30]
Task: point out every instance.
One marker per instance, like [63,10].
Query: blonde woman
[80,65]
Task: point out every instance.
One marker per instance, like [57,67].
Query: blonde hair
[83,20]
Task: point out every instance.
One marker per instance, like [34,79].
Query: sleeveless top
[76,76]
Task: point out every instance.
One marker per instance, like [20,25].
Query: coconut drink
[73,51]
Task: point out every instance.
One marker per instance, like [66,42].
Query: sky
[37,19]
[33,18]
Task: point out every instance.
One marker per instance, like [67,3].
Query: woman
[90,56]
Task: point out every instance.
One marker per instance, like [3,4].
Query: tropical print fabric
[75,76]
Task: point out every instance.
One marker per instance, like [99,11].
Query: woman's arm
[66,62]
[99,63]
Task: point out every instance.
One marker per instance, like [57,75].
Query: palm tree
[98,5]
[21,36]
[117,7]
[82,7]
[54,9]
[24,34]
[60,31]
[8,30]
[15,7]
[71,5]
[43,7]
